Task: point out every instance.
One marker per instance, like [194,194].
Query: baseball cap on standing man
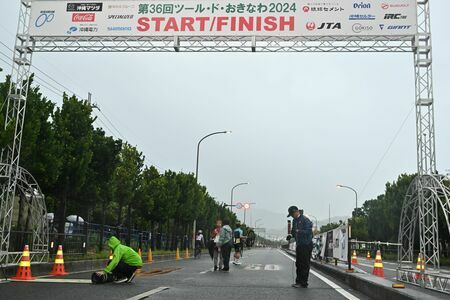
[291,210]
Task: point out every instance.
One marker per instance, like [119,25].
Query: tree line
[83,171]
[378,219]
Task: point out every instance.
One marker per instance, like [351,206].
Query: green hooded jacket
[122,252]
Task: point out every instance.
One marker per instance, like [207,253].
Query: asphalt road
[264,274]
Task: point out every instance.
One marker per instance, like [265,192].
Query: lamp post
[257,222]
[352,189]
[247,206]
[194,227]
[232,191]
[198,148]
[349,226]
[316,221]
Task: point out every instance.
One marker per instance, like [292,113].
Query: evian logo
[83,17]
[310,26]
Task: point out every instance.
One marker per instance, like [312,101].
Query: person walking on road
[214,249]
[302,233]
[225,243]
[122,267]
[238,236]
[199,243]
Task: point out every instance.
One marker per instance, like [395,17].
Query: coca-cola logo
[83,17]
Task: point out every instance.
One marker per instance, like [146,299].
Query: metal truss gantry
[421,204]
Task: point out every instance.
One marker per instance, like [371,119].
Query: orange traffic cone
[149,256]
[378,265]
[58,267]
[177,256]
[186,254]
[420,266]
[354,258]
[24,270]
[368,256]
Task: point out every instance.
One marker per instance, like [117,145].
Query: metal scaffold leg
[13,178]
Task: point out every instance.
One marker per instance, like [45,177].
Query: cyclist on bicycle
[238,237]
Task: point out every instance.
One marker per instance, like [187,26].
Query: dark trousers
[226,252]
[123,270]
[302,262]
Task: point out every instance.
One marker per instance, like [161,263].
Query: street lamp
[349,225]
[198,148]
[257,222]
[245,207]
[350,188]
[316,221]
[232,190]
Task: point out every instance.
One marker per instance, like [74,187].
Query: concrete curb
[369,285]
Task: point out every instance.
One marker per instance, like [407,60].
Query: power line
[387,150]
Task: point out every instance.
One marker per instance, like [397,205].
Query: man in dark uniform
[302,233]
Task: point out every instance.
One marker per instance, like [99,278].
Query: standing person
[225,243]
[217,257]
[122,267]
[302,233]
[199,243]
[238,236]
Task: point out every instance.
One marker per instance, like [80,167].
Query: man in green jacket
[123,266]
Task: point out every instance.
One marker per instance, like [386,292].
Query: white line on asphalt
[336,287]
[149,293]
[206,271]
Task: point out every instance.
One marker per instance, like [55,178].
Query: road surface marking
[55,280]
[272,268]
[254,267]
[336,287]
[206,271]
[149,293]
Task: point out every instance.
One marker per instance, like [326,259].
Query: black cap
[292,209]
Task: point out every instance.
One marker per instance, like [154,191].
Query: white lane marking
[336,287]
[254,267]
[149,293]
[369,266]
[55,280]
[206,271]
[272,268]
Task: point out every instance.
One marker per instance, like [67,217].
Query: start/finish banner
[300,18]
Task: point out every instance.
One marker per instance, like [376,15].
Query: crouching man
[122,267]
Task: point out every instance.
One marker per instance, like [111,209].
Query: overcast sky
[301,123]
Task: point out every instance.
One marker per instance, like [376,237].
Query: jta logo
[330,26]
[312,26]
[394,17]
[44,17]
[361,5]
